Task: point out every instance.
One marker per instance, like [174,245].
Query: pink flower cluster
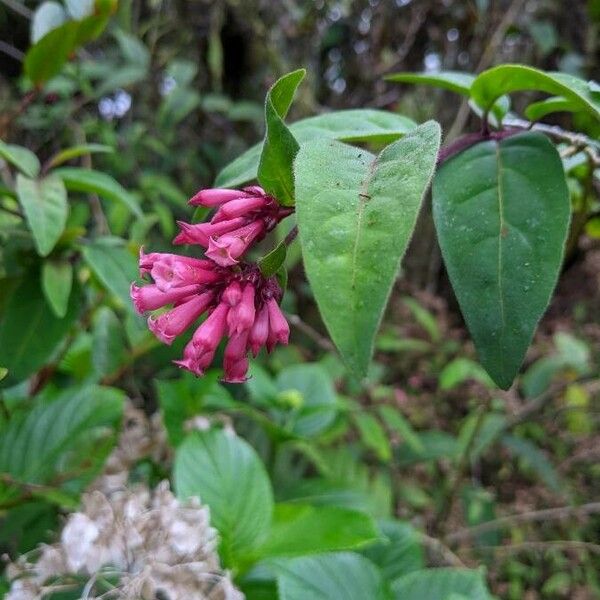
[241,303]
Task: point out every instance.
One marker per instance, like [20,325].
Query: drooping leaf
[352,125]
[44,203]
[76,151]
[401,551]
[462,369]
[538,110]
[226,474]
[22,158]
[79,179]
[356,213]
[275,170]
[57,281]
[33,443]
[299,529]
[328,576]
[113,265]
[501,211]
[441,584]
[30,332]
[504,79]
[454,81]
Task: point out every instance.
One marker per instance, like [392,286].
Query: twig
[438,547]
[291,236]
[12,211]
[18,7]
[11,51]
[548,514]
[547,545]
[313,334]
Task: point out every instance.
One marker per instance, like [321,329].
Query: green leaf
[76,151]
[46,57]
[504,79]
[356,213]
[454,81]
[400,553]
[44,203]
[398,423]
[113,265]
[227,475]
[501,211]
[48,16]
[57,281]
[78,179]
[373,435]
[335,576]
[534,459]
[459,370]
[108,342]
[538,110]
[318,403]
[275,170]
[353,125]
[270,263]
[25,160]
[441,584]
[25,317]
[299,529]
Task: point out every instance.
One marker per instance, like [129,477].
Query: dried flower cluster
[240,302]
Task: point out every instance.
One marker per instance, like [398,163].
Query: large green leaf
[22,158]
[336,576]
[501,211]
[44,203]
[441,584]
[400,553]
[356,213]
[303,529]
[30,333]
[227,475]
[113,265]
[78,179]
[504,79]
[353,125]
[275,170]
[33,443]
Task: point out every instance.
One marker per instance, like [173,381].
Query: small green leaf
[78,179]
[299,529]
[504,79]
[25,160]
[57,281]
[3,373]
[501,211]
[352,125]
[76,151]
[29,330]
[441,584]
[373,435]
[226,474]
[44,203]
[113,265]
[335,576]
[270,263]
[356,213]
[459,370]
[398,423]
[454,81]
[538,110]
[275,170]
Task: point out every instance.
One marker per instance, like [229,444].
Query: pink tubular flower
[241,303]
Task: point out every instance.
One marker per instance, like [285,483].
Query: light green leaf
[501,211]
[275,170]
[335,576]
[271,263]
[227,475]
[48,16]
[401,551]
[356,213]
[441,584]
[373,435]
[299,529]
[44,203]
[538,110]
[25,160]
[78,179]
[57,281]
[504,79]
[454,81]
[108,342]
[25,315]
[353,125]
[33,443]
[396,421]
[114,266]
[76,151]
[459,370]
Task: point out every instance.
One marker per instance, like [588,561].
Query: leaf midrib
[502,224]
